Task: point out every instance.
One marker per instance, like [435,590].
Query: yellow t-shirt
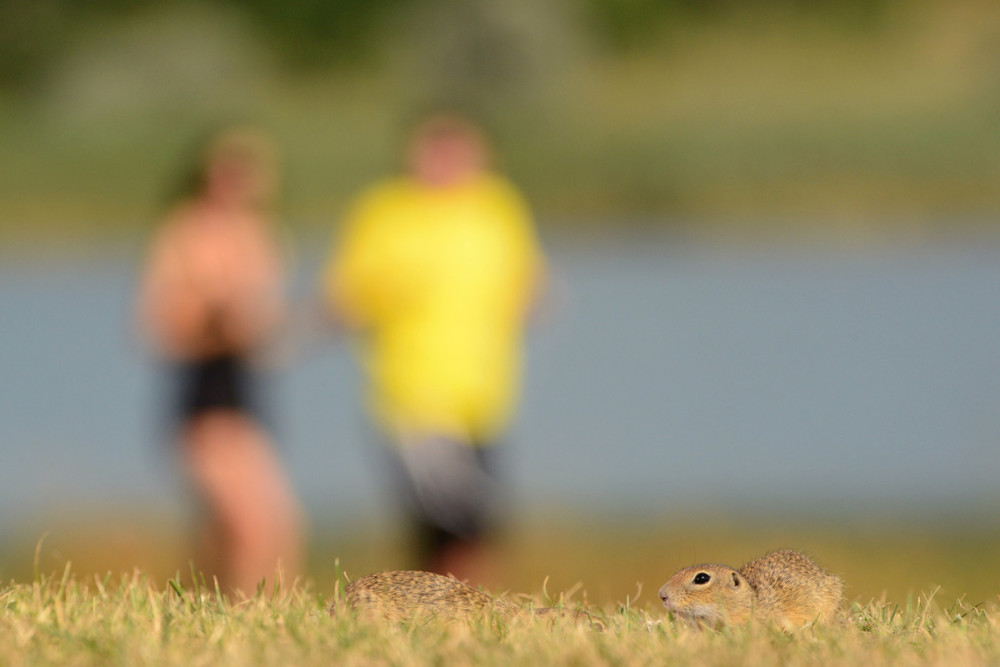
[440,280]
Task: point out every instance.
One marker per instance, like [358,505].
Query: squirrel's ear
[737,581]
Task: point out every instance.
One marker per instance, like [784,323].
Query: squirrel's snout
[665,596]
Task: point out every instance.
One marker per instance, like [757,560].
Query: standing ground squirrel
[785,587]
[405,595]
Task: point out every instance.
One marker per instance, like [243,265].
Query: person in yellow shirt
[438,269]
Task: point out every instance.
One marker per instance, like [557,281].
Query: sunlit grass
[78,620]
[598,561]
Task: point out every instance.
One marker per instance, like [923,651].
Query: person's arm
[351,282]
[167,316]
[540,298]
[254,310]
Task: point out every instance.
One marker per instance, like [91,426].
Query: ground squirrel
[405,595]
[784,587]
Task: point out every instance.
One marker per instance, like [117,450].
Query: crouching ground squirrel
[784,587]
[406,595]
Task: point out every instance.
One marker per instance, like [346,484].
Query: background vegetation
[862,118]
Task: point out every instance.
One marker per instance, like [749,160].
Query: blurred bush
[166,60]
[737,115]
[313,34]
[306,34]
[30,34]
[628,24]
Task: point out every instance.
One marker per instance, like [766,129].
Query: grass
[71,620]
[605,560]
[917,592]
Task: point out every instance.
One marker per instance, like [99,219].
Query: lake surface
[668,375]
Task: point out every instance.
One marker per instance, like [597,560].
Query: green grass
[69,620]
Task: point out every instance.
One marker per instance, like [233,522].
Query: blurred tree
[305,33]
[30,33]
[628,24]
[317,33]
[482,54]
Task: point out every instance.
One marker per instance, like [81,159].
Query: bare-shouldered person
[211,297]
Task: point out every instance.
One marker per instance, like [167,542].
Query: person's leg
[468,556]
[450,496]
[256,522]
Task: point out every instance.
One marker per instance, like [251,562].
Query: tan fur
[407,595]
[784,587]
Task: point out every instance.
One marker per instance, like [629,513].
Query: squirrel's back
[406,594]
[793,588]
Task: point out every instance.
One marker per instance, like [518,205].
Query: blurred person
[438,269]
[210,299]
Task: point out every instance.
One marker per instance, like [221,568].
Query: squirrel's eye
[702,578]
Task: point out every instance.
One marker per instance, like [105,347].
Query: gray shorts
[449,487]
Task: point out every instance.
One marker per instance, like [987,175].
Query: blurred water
[671,374]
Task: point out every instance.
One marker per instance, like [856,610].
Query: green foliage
[746,118]
[316,33]
[308,34]
[629,24]
[30,34]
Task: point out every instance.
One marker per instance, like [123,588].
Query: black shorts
[448,487]
[219,383]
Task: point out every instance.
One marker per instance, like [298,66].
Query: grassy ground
[606,561]
[917,593]
[81,621]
